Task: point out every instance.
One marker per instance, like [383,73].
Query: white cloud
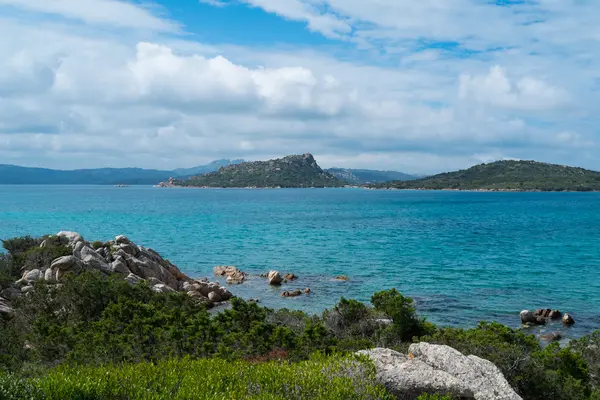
[81,95]
[104,12]
[496,89]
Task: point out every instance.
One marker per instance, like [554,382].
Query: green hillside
[296,171]
[508,175]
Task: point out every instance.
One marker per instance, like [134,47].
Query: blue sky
[419,87]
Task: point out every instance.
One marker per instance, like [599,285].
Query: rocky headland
[120,257]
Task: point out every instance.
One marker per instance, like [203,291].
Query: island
[295,171]
[508,175]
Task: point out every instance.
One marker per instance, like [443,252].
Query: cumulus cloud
[495,88]
[80,95]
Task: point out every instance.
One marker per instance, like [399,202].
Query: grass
[178,379]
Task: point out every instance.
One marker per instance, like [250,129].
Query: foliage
[363,176]
[97,244]
[433,397]
[588,347]
[535,373]
[508,175]
[19,245]
[320,378]
[406,324]
[295,171]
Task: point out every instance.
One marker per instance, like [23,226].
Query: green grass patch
[318,378]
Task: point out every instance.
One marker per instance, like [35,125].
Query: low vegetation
[507,175]
[148,345]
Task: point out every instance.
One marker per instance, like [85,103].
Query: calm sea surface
[463,256]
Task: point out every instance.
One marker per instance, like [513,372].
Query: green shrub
[19,245]
[434,397]
[321,378]
[588,347]
[406,323]
[97,244]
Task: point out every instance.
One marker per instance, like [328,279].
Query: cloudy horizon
[414,87]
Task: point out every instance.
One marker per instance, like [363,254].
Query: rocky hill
[363,176]
[296,171]
[507,176]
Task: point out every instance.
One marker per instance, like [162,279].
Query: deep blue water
[463,256]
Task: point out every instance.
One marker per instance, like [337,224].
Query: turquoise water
[463,256]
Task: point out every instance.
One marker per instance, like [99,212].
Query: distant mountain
[362,176]
[296,171]
[508,175]
[12,174]
[204,169]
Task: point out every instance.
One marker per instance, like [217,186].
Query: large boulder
[11,293]
[122,239]
[68,237]
[93,260]
[66,263]
[6,310]
[439,369]
[33,276]
[528,317]
[274,278]
[119,265]
[482,376]
[408,378]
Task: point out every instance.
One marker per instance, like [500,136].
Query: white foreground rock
[439,369]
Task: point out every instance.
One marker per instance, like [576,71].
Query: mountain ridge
[14,174]
[366,176]
[506,175]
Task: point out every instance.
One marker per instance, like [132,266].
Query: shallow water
[463,256]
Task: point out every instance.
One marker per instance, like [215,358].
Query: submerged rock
[293,293]
[551,337]
[342,278]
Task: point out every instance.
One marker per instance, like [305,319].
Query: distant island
[506,176]
[16,175]
[295,171]
[365,176]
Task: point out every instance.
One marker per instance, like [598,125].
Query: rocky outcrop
[439,369]
[543,315]
[551,337]
[233,275]
[290,277]
[567,319]
[274,278]
[117,257]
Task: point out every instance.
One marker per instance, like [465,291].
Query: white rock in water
[274,278]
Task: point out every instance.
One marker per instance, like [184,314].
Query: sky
[414,86]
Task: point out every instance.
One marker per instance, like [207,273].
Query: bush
[19,245]
[588,347]
[322,378]
[97,244]
[406,324]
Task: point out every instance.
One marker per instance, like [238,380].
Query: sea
[464,257]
